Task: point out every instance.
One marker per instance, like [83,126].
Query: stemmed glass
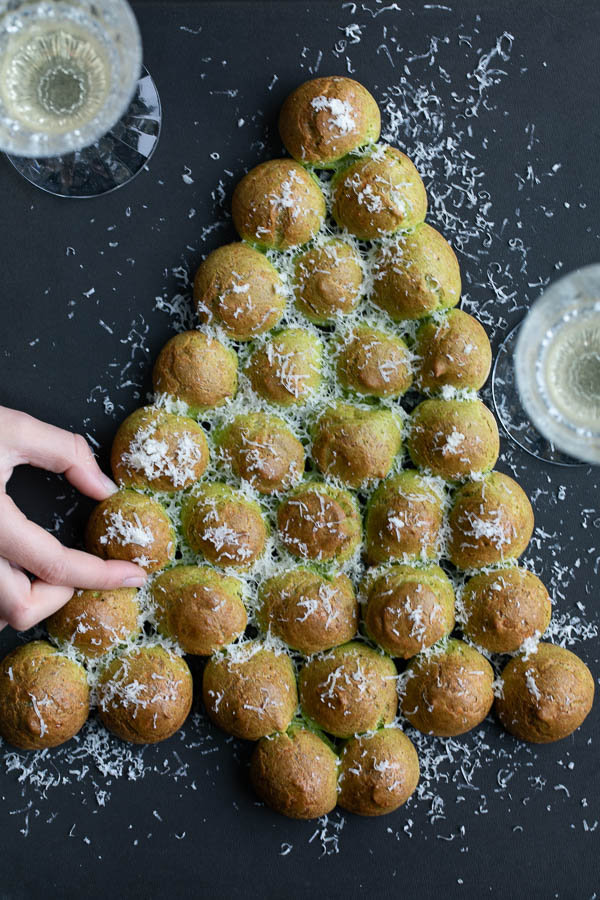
[76,117]
[546,380]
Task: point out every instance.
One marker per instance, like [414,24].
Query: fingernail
[135,581]
[108,484]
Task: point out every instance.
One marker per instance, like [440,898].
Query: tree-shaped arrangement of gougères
[348,568]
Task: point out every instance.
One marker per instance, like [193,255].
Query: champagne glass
[546,380]
[78,114]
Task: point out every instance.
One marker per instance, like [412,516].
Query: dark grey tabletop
[497,102]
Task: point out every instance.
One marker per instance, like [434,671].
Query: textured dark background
[535,836]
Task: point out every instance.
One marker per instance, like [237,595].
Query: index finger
[27,440]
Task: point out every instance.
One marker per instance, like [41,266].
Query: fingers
[29,546]
[28,440]
[24,603]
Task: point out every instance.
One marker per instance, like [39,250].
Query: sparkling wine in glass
[546,380]
[76,117]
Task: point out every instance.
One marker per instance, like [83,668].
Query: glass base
[109,163]
[511,413]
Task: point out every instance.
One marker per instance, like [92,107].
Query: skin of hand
[25,547]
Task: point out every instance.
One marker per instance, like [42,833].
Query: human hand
[26,546]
